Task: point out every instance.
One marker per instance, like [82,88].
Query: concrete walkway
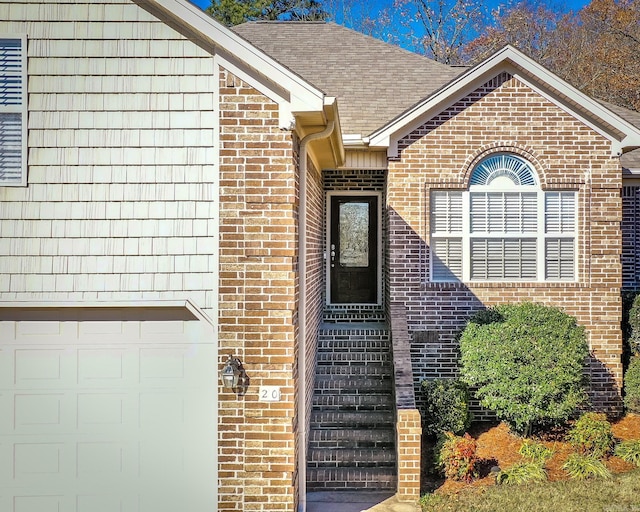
[363,501]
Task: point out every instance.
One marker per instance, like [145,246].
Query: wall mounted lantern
[234,377]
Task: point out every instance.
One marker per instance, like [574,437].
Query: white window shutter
[560,212]
[499,259]
[446,254]
[13,115]
[446,212]
[560,259]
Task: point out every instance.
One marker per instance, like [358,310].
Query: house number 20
[270,393]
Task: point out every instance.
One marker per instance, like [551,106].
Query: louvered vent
[503,165]
[12,115]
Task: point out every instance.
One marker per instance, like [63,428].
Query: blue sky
[564,5]
[490,5]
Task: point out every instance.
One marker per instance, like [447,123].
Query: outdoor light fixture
[233,376]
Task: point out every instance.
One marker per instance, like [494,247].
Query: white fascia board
[507,59]
[303,97]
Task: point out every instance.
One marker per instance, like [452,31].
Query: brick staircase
[352,438]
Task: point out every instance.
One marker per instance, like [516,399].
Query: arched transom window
[504,227]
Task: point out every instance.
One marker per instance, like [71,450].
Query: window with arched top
[504,227]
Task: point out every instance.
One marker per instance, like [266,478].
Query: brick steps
[352,457]
[340,479]
[345,438]
[352,436]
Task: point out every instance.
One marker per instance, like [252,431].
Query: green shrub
[457,458]
[581,467]
[634,326]
[629,451]
[536,453]
[526,362]
[446,406]
[592,435]
[632,385]
[521,473]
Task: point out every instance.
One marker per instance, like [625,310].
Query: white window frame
[17,108]
[540,235]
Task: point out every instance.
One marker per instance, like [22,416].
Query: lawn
[619,494]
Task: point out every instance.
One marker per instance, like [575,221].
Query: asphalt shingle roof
[373,81]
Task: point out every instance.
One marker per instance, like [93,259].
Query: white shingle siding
[120,202]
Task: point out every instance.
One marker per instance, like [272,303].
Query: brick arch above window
[522,151]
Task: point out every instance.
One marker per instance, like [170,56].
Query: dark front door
[353,249]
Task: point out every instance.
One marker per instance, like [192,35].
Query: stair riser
[354,370]
[351,478]
[345,402]
[352,457]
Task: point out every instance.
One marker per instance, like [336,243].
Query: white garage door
[107,409]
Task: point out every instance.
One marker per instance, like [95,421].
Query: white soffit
[242,58]
[621,133]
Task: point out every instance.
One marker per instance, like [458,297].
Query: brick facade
[258,291]
[506,115]
[630,238]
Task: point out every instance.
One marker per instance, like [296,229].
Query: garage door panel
[106,413]
[44,367]
[102,503]
[37,412]
[35,461]
[40,503]
[97,411]
[107,366]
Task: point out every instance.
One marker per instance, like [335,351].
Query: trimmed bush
[629,451]
[456,456]
[632,386]
[582,467]
[526,362]
[592,435]
[446,406]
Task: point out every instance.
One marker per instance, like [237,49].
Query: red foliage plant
[458,458]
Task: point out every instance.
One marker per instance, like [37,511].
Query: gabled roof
[624,136]
[373,81]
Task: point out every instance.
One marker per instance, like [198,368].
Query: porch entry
[353,248]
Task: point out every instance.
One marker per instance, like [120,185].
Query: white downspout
[302,312]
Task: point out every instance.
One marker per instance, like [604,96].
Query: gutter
[302,312]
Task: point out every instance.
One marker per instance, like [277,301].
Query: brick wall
[630,237]
[314,281]
[258,210]
[506,115]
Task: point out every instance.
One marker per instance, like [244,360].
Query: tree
[440,29]
[596,49]
[526,363]
[234,12]
[529,26]
[600,52]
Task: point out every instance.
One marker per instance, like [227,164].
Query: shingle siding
[120,202]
